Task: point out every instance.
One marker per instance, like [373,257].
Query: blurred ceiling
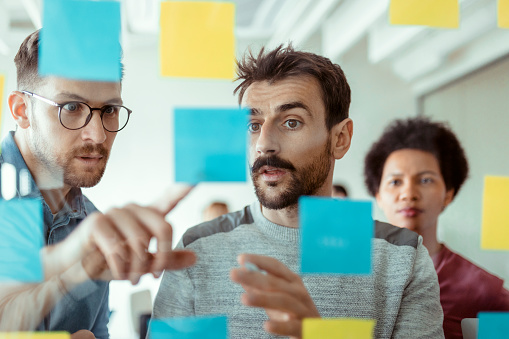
[425,58]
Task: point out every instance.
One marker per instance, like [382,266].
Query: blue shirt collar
[75,207]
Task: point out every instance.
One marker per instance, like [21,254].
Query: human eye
[110,110]
[253,127]
[73,107]
[292,124]
[427,180]
[394,182]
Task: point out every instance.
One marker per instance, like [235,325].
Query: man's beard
[88,178]
[61,167]
[305,181]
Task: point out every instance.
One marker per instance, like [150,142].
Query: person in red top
[414,171]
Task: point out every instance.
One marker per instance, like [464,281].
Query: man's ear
[341,138]
[18,106]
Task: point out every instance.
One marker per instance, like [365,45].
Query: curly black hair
[422,134]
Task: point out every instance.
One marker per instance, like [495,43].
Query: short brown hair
[284,62]
[27,63]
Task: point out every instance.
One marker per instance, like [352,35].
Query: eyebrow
[420,173]
[68,95]
[255,112]
[284,108]
[292,105]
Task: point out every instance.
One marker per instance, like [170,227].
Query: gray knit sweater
[402,294]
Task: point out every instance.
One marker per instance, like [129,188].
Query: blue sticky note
[493,325]
[213,327]
[81,40]
[21,239]
[210,144]
[336,236]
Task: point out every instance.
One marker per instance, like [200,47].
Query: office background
[456,75]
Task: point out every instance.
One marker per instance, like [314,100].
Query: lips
[410,212]
[271,174]
[90,156]
[90,159]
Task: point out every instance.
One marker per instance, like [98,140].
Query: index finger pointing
[170,199]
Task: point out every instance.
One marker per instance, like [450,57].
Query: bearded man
[65,132]
[298,127]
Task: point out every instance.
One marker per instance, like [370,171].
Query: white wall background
[476,109]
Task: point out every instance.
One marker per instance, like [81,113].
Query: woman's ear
[449,197]
[18,106]
[341,138]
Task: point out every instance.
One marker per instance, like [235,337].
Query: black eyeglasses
[75,115]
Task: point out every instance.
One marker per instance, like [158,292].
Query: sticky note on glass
[344,328]
[81,40]
[210,144]
[215,327]
[434,13]
[34,335]
[21,239]
[339,229]
[493,325]
[197,39]
[495,215]
[503,13]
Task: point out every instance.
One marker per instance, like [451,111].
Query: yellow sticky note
[197,39]
[342,328]
[434,13]
[495,215]
[503,13]
[34,335]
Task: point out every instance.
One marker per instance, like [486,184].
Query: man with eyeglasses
[64,135]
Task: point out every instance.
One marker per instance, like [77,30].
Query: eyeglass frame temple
[48,101]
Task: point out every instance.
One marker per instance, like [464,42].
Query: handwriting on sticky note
[495,215]
[341,328]
[333,228]
[197,39]
[434,13]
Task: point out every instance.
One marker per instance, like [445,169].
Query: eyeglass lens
[75,115]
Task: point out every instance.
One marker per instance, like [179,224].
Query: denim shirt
[86,306]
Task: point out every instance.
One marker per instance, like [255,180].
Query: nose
[409,192]
[267,142]
[94,130]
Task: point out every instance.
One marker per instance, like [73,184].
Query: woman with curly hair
[414,171]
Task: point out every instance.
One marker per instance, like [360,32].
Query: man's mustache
[91,148]
[272,161]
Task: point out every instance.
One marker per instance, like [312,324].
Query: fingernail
[251,267]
